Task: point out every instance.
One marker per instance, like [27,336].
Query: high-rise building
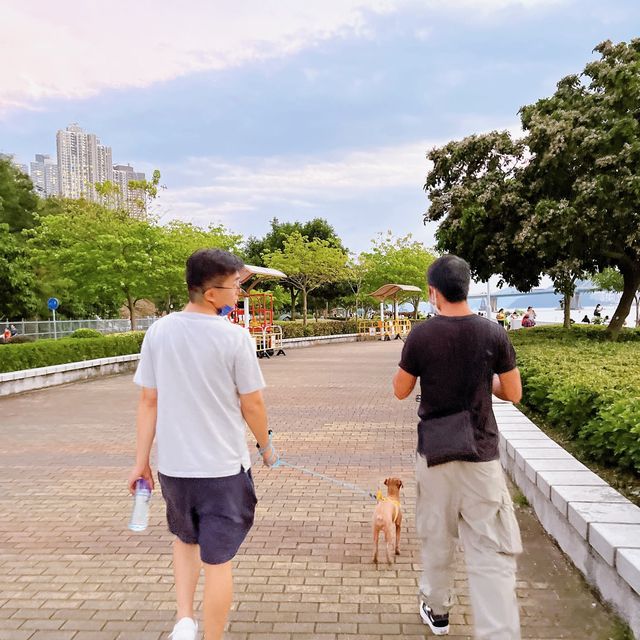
[82,161]
[131,199]
[44,175]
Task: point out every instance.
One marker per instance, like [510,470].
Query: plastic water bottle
[140,512]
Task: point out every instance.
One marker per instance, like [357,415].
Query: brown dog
[387,517]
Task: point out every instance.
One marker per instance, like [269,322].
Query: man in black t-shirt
[460,359]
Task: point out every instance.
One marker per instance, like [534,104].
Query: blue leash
[283,463]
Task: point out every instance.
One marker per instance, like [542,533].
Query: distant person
[532,313]
[501,317]
[597,312]
[14,331]
[460,359]
[527,320]
[586,319]
[6,335]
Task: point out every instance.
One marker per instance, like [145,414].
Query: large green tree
[564,200]
[106,256]
[397,261]
[18,202]
[611,280]
[309,264]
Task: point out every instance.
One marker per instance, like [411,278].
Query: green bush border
[45,353]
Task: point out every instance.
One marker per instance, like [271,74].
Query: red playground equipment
[256,312]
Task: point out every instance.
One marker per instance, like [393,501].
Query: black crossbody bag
[448,438]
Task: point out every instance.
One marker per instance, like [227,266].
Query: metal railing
[40,329]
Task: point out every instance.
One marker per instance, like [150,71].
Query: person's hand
[140,471]
[270,457]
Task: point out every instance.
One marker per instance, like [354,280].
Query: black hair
[206,264]
[451,276]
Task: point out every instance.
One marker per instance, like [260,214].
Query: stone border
[597,527]
[14,382]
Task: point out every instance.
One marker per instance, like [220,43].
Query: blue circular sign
[53,303]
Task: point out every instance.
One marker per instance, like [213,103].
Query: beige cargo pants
[469,501]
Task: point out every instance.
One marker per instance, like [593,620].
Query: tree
[564,199]
[104,254]
[256,248]
[17,296]
[611,280]
[18,202]
[585,142]
[308,264]
[397,261]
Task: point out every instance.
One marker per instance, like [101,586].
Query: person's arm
[508,386]
[145,433]
[403,383]
[254,413]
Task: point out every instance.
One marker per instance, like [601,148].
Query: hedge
[586,386]
[44,353]
[322,328]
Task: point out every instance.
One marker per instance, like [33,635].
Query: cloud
[220,191]
[73,50]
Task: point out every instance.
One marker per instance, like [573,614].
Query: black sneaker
[439,625]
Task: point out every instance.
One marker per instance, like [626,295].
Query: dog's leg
[376,535]
[390,542]
[398,527]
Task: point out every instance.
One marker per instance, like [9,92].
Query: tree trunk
[416,303]
[637,298]
[294,295]
[326,309]
[567,309]
[131,305]
[304,307]
[631,277]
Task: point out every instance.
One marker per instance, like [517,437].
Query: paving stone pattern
[70,569]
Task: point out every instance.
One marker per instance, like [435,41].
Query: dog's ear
[386,482]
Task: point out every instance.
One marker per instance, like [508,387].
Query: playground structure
[393,328]
[256,314]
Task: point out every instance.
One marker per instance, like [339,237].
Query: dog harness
[393,501]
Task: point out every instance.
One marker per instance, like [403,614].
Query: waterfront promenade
[70,569]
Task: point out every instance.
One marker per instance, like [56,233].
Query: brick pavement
[70,570]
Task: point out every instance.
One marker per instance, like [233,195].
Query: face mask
[225,311]
[432,301]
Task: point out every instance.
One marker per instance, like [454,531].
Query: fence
[39,329]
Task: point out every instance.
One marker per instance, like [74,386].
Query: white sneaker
[185,629]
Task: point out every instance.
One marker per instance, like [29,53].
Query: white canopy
[392,291]
[256,274]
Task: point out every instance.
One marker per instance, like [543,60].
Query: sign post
[53,304]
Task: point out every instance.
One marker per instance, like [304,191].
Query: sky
[280,108]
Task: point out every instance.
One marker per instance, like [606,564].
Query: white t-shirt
[199,364]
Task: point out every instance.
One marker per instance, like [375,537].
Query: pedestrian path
[70,570]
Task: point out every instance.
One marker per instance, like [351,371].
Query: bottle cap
[142,485]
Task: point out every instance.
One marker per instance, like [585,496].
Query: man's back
[455,358]
[199,364]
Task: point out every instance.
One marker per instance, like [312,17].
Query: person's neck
[197,307]
[455,309]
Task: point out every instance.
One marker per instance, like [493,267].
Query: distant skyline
[285,109]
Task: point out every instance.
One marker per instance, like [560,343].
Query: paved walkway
[70,569]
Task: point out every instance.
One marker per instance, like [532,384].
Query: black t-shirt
[455,359]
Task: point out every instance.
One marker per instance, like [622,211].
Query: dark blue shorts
[215,513]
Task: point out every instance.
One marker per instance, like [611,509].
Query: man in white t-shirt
[201,386]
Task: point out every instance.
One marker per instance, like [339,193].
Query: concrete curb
[14,382]
[597,527]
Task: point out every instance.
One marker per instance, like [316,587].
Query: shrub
[328,328]
[43,353]
[587,386]
[86,333]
